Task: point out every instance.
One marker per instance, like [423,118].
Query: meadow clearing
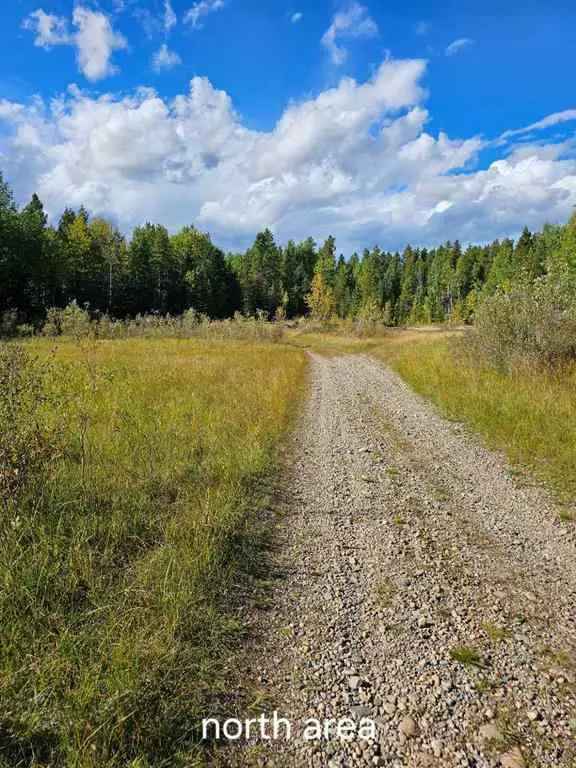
[134,472]
[119,550]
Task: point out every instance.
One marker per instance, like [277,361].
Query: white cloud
[357,161]
[165,59]
[351,23]
[555,119]
[95,40]
[458,45]
[50,30]
[202,8]
[170,18]
[296,17]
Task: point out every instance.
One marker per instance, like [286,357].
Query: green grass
[494,632]
[530,415]
[117,568]
[467,656]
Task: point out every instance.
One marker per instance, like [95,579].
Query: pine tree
[326,262]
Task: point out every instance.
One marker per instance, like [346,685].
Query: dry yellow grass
[116,572]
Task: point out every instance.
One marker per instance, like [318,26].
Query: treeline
[87,260]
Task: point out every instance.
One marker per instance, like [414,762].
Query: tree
[326,262]
[344,288]
[9,237]
[108,266]
[153,270]
[261,275]
[567,250]
[208,281]
[320,300]
[502,269]
[297,272]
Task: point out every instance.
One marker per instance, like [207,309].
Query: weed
[494,632]
[464,654]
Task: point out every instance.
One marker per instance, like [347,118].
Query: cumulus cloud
[458,45]
[357,161]
[50,30]
[202,8]
[296,17]
[95,40]
[354,22]
[164,59]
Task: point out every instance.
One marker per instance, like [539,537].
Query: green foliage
[467,656]
[75,323]
[88,261]
[261,275]
[531,322]
[320,300]
[70,321]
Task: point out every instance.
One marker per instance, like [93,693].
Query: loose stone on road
[424,589]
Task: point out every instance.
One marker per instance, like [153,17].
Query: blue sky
[377,122]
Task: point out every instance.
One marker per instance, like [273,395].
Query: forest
[88,261]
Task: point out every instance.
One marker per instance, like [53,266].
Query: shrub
[8,322]
[71,321]
[532,323]
[76,323]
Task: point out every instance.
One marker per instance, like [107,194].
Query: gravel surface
[425,588]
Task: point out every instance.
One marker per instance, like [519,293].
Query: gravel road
[426,587]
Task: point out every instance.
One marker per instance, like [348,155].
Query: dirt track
[425,589]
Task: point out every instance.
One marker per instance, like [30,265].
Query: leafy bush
[532,323]
[76,323]
[8,323]
[70,321]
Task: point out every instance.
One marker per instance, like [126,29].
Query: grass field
[119,556]
[116,567]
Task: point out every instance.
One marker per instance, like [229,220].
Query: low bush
[532,323]
[75,322]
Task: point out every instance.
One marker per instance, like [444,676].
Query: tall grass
[116,563]
[528,412]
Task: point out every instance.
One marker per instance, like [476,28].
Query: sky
[377,122]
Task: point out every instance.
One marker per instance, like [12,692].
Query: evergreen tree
[261,275]
[208,280]
[326,262]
